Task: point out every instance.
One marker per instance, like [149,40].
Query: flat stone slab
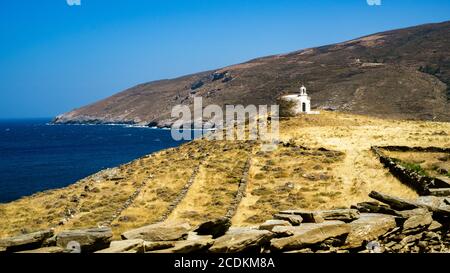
[443,192]
[419,220]
[123,246]
[167,231]
[295,220]
[394,202]
[374,207]
[189,246]
[44,250]
[409,213]
[307,216]
[431,201]
[369,227]
[308,234]
[25,242]
[283,231]
[153,246]
[270,224]
[240,239]
[88,240]
[346,215]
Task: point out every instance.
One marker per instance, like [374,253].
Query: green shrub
[286,107]
[412,167]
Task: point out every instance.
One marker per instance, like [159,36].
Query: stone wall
[420,183]
[240,192]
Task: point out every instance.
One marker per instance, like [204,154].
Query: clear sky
[55,57]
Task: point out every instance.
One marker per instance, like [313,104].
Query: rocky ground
[386,225]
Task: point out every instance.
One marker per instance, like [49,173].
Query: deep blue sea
[35,156]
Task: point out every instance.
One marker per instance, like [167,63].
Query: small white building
[302,100]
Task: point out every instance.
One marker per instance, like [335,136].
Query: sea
[37,156]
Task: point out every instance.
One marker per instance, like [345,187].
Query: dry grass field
[329,165]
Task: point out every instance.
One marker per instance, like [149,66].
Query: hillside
[327,164]
[396,74]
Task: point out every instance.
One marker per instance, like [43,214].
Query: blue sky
[55,57]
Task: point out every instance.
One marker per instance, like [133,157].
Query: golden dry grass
[215,186]
[289,177]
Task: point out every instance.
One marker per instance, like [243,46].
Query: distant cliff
[397,74]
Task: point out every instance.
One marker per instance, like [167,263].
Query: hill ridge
[406,71]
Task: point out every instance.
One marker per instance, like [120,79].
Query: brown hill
[397,74]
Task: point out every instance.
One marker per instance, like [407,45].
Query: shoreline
[67,175]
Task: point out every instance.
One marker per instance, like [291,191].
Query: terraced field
[324,161]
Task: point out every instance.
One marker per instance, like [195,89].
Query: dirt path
[360,171]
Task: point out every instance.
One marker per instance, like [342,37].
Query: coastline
[52,156]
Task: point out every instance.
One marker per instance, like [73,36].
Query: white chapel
[302,100]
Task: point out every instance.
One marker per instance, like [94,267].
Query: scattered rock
[227,79]
[310,234]
[410,239]
[241,240]
[216,227]
[368,228]
[26,241]
[374,247]
[432,236]
[159,232]
[49,241]
[197,84]
[218,75]
[89,240]
[420,220]
[434,226]
[431,201]
[74,199]
[270,224]
[295,220]
[125,245]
